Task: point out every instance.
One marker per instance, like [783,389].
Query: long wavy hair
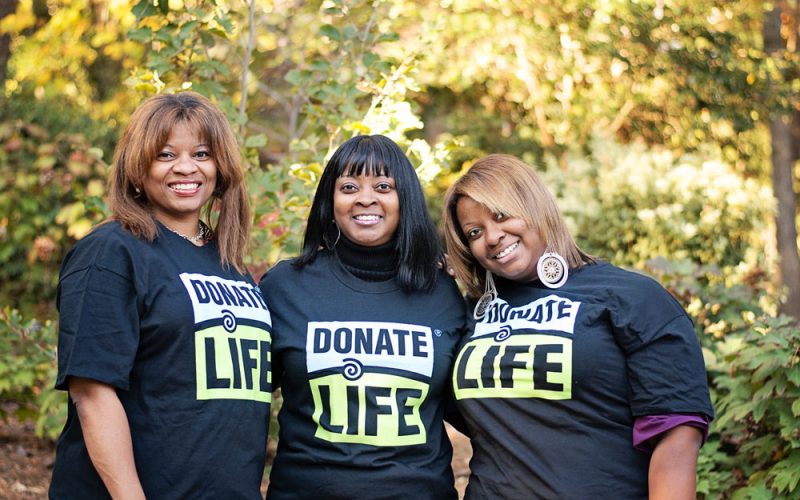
[144,137]
[417,242]
[505,184]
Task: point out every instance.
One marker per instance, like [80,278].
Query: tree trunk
[6,7]
[780,127]
[104,71]
[786,229]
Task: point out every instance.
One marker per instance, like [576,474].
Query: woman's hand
[107,436]
[673,465]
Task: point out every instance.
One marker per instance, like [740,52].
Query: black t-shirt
[364,370]
[551,381]
[186,343]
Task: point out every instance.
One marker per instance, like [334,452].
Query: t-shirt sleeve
[650,428]
[276,365]
[98,331]
[666,371]
[452,414]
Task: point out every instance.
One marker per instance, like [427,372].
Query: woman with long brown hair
[164,339]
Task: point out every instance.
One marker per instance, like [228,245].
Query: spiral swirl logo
[228,321]
[352,369]
[503,334]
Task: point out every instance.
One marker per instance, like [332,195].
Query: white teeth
[507,251]
[185,187]
[367,217]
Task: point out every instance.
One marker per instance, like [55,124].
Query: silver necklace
[202,233]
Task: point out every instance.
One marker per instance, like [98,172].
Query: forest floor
[26,462]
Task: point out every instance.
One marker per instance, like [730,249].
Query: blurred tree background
[668,129]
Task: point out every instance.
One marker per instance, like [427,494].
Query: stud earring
[552,269]
[489,294]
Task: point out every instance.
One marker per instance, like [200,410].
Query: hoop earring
[552,269]
[489,294]
[338,237]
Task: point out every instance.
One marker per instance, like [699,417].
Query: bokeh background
[669,130]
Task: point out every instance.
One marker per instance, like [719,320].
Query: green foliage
[756,377]
[51,183]
[715,474]
[52,115]
[551,81]
[72,51]
[28,371]
[630,204]
[342,88]
[548,75]
[281,198]
[180,46]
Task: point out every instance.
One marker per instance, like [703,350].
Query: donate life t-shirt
[364,370]
[186,343]
[551,381]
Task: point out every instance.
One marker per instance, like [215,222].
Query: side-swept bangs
[504,184]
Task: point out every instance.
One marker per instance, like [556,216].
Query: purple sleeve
[650,426]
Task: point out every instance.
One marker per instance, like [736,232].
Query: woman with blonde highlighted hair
[164,339]
[506,185]
[577,379]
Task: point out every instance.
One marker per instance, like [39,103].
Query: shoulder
[626,291]
[446,284]
[286,271]
[106,231]
[106,238]
[619,280]
[110,233]
[453,299]
[280,270]
[108,246]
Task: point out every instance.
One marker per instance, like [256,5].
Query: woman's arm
[673,465]
[107,436]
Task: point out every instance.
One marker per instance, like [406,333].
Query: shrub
[50,189]
[28,372]
[630,204]
[756,377]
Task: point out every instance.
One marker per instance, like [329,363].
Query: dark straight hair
[417,242]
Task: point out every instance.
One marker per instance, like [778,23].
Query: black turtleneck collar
[378,263]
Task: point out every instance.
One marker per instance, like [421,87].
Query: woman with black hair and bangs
[365,326]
